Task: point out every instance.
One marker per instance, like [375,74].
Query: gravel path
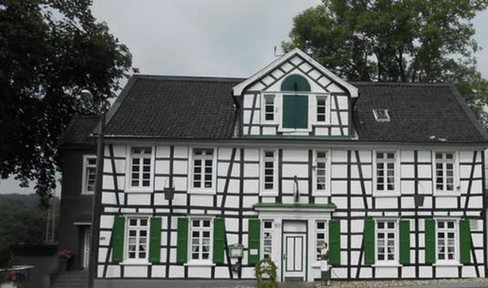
[475,282]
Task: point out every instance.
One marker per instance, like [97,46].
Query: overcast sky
[231,38]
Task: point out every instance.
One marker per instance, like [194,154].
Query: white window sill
[135,263]
[87,193]
[386,194]
[447,264]
[199,264]
[387,265]
[270,122]
[447,194]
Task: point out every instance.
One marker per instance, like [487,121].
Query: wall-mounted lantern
[169,193]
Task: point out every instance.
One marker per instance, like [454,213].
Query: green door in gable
[295,111]
[295,107]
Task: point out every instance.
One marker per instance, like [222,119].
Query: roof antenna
[276,52]
[308,48]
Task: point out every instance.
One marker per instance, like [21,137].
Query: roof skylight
[381,115]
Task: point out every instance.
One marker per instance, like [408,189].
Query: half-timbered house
[390,175]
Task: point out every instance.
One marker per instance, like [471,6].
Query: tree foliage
[396,41]
[22,221]
[50,50]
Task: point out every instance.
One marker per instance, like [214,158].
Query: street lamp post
[97,197]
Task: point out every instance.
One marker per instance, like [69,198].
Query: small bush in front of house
[266,273]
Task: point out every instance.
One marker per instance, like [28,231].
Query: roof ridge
[189,78]
[419,84]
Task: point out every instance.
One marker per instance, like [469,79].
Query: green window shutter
[218,240]
[295,111]
[430,241]
[404,242]
[182,241]
[253,241]
[288,111]
[301,112]
[155,240]
[465,241]
[335,242]
[369,239]
[118,239]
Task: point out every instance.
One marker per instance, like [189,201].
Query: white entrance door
[86,246]
[294,251]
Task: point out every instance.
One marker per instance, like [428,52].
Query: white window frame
[84,186]
[265,95]
[202,190]
[145,260]
[327,97]
[456,180]
[376,116]
[317,231]
[190,260]
[387,262]
[128,169]
[386,193]
[267,230]
[274,191]
[455,261]
[328,157]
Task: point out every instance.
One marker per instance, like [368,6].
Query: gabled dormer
[295,96]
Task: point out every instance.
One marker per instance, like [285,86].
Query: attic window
[381,115]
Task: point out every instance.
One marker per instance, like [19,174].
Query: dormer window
[269,107]
[381,115]
[321,108]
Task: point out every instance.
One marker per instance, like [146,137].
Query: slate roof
[174,107]
[78,131]
[418,113]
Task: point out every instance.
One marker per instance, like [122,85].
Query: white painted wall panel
[132,271]
[180,183]
[446,272]
[139,198]
[162,151]
[247,100]
[181,152]
[407,156]
[269,130]
[158,271]
[295,155]
[161,167]
[299,170]
[180,167]
[321,131]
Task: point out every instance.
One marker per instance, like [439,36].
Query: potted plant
[64,259]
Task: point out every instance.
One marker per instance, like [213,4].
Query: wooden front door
[294,251]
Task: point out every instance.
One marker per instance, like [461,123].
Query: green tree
[396,41]
[22,221]
[50,50]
